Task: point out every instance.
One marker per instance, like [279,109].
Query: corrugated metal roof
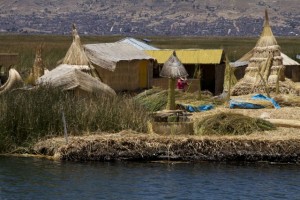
[189,56]
[137,43]
[106,55]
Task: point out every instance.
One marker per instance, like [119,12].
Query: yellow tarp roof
[189,56]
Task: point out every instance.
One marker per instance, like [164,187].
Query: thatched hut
[72,78]
[265,68]
[209,61]
[76,72]
[120,65]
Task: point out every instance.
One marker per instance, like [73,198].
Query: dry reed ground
[281,145]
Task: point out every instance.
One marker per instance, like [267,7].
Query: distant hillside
[149,17]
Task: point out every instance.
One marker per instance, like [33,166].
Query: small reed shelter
[209,61]
[266,69]
[121,66]
[75,74]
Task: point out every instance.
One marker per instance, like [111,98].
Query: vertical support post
[65,125]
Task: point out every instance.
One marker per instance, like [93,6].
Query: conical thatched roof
[75,55]
[265,61]
[38,68]
[173,68]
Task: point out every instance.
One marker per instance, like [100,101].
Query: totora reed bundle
[231,124]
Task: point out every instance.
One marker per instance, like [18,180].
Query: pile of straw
[231,124]
[288,100]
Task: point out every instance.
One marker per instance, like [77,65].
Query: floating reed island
[73,113]
[274,144]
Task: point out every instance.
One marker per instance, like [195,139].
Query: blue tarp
[246,105]
[262,97]
[202,108]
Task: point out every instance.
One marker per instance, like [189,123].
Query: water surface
[31,178]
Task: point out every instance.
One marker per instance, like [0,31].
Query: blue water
[31,178]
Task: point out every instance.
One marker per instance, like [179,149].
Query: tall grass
[27,116]
[55,46]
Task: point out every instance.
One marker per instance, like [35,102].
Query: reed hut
[209,61]
[72,78]
[76,73]
[121,66]
[265,68]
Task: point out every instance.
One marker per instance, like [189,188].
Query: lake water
[32,178]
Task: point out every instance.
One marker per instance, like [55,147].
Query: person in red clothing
[182,84]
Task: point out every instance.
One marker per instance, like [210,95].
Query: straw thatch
[231,124]
[38,68]
[14,80]
[265,68]
[173,68]
[76,55]
[70,77]
[108,55]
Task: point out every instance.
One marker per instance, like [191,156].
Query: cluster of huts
[131,64]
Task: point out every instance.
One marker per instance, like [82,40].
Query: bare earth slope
[167,17]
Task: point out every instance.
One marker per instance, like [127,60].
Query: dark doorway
[208,78]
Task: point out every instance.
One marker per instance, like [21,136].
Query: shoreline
[128,146]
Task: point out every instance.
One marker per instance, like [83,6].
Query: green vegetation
[156,99]
[27,116]
[231,124]
[55,47]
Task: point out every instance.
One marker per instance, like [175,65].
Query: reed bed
[27,116]
[151,147]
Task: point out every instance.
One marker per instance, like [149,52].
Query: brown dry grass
[126,145]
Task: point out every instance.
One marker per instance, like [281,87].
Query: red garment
[181,84]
